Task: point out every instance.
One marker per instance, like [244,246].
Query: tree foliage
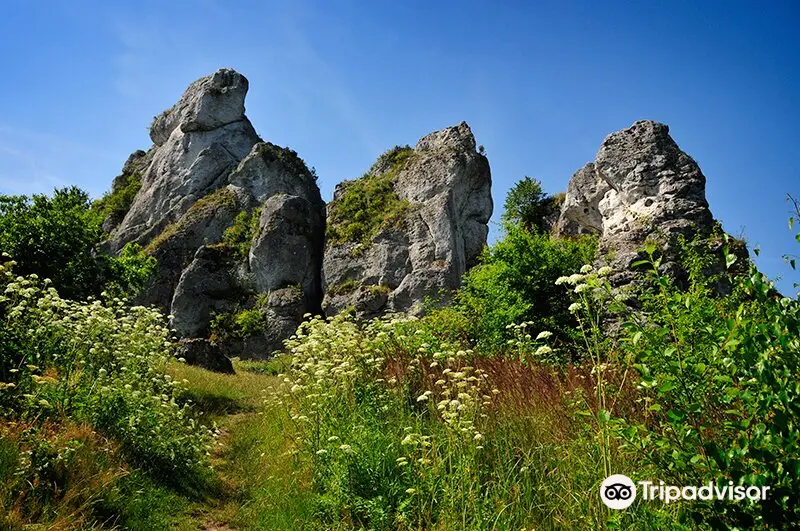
[516,282]
[58,238]
[526,204]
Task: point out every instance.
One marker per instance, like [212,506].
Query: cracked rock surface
[641,185]
[447,184]
[196,144]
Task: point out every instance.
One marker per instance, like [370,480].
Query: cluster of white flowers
[90,356]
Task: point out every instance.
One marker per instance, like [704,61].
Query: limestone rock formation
[196,144]
[640,186]
[235,223]
[431,225]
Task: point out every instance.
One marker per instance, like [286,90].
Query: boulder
[207,286]
[204,353]
[444,184]
[287,250]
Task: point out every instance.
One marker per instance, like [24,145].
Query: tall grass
[403,434]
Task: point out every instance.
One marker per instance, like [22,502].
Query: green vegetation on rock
[369,204]
[116,203]
[203,208]
[344,288]
[287,157]
[239,236]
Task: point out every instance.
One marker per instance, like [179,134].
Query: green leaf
[667,386]
[729,260]
[636,337]
[676,416]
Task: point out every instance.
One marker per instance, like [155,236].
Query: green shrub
[238,325]
[370,203]
[99,363]
[515,283]
[114,205]
[716,381]
[58,238]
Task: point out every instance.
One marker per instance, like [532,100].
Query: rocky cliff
[237,224]
[641,186]
[410,227]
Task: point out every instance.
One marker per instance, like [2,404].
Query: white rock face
[196,144]
[207,169]
[448,186]
[640,185]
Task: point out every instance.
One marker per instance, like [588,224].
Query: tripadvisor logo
[619,492]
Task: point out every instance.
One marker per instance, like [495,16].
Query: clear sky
[540,83]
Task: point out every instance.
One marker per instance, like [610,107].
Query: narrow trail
[251,473]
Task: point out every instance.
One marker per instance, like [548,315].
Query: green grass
[370,203]
[202,208]
[263,485]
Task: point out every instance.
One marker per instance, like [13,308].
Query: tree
[515,282]
[526,204]
[58,238]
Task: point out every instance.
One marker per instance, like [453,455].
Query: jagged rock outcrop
[641,186]
[207,286]
[196,144]
[237,224]
[421,239]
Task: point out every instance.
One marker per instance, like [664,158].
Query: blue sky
[540,83]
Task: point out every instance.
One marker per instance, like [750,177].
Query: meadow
[497,411]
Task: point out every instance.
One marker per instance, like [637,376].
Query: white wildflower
[543,350]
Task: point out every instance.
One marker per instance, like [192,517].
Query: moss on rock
[203,208]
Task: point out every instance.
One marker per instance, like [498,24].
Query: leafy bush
[58,238]
[370,203]
[238,325]
[239,236]
[716,380]
[103,364]
[115,204]
[515,283]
